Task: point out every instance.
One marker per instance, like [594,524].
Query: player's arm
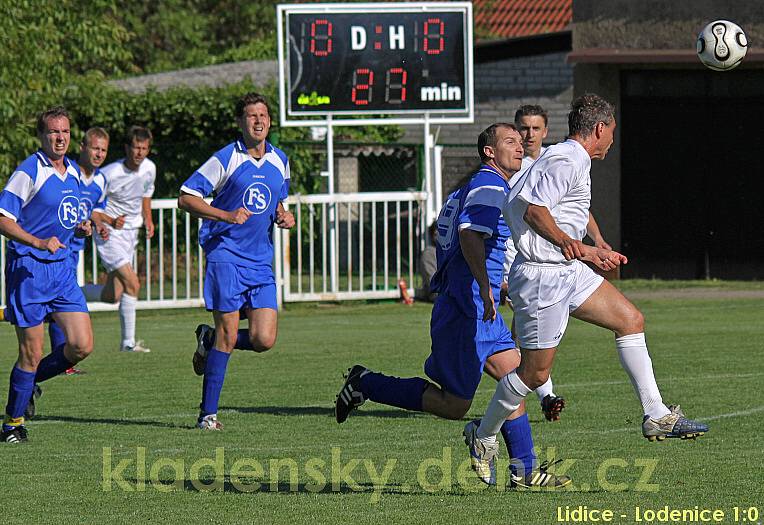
[594,233]
[541,221]
[197,207]
[10,229]
[284,219]
[148,220]
[473,249]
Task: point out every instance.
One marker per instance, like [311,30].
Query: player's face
[255,123]
[54,141]
[533,131]
[507,155]
[604,140]
[136,152]
[94,151]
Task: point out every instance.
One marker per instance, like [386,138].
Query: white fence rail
[344,246]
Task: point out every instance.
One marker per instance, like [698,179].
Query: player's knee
[133,285]
[262,342]
[455,411]
[79,348]
[535,378]
[633,323]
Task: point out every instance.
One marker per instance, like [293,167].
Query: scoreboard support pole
[333,270]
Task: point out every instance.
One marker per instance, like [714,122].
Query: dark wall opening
[693,174]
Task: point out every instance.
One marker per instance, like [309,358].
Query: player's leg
[112,290]
[129,281]
[262,332]
[608,308]
[78,333]
[226,330]
[21,386]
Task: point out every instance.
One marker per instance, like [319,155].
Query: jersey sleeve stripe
[476,227]
[8,214]
[186,189]
[486,196]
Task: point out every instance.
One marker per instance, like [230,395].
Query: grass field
[101,438]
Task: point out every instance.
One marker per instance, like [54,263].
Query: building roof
[502,19]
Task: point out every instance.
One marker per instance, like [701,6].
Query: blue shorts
[460,347]
[36,289]
[229,287]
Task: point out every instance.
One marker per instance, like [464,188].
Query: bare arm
[10,229]
[284,219]
[473,249]
[593,231]
[542,222]
[197,207]
[148,220]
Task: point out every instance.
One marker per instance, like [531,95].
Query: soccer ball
[722,45]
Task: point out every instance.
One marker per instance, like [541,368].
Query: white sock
[92,292]
[127,319]
[547,389]
[632,350]
[510,391]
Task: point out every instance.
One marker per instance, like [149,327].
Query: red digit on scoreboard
[395,79]
[361,85]
[434,43]
[321,37]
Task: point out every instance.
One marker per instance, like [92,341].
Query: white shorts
[118,250]
[543,296]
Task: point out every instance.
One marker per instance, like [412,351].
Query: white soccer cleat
[209,422]
[137,348]
[482,454]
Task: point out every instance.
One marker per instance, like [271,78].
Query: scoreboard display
[378,59]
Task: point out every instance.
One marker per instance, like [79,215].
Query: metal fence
[344,246]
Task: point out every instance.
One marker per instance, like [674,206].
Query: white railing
[345,246]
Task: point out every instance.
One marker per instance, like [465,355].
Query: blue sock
[51,365]
[242,340]
[57,337]
[519,440]
[214,375]
[19,393]
[394,391]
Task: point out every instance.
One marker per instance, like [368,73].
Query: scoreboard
[362,59]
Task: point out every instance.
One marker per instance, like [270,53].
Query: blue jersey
[238,180]
[475,206]
[44,203]
[92,197]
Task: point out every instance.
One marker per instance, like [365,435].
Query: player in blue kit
[250,179]
[94,148]
[39,213]
[468,335]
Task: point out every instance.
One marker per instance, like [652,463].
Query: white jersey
[126,189]
[559,180]
[511,253]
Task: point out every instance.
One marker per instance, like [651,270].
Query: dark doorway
[693,174]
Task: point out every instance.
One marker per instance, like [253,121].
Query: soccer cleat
[209,422]
[2,314]
[203,333]
[552,405]
[672,425]
[482,455]
[31,409]
[136,348]
[14,435]
[350,396]
[74,372]
[539,479]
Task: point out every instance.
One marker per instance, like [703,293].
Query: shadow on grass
[112,421]
[323,411]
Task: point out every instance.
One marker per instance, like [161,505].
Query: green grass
[278,406]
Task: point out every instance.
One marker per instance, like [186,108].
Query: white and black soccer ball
[722,45]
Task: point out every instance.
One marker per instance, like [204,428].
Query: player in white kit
[129,188]
[548,210]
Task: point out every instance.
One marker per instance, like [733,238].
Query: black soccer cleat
[31,410]
[350,396]
[552,406]
[539,479]
[14,435]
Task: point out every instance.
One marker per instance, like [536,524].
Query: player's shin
[214,375]
[52,365]
[632,351]
[127,319]
[519,440]
[394,391]
[19,393]
[510,391]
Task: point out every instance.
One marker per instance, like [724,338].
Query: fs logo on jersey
[257,198]
[69,212]
[86,208]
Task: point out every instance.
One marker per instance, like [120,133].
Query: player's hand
[503,295]
[149,228]
[285,219]
[489,309]
[51,244]
[602,243]
[119,222]
[84,229]
[572,249]
[102,231]
[239,216]
[603,259]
